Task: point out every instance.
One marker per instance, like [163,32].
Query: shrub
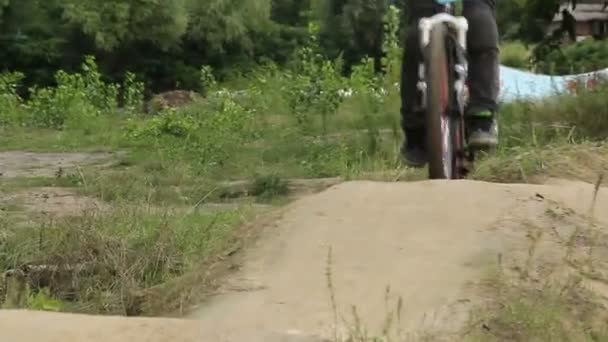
[585,56]
[313,84]
[169,123]
[515,54]
[76,99]
[10,101]
[133,94]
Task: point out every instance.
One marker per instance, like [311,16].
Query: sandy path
[428,241]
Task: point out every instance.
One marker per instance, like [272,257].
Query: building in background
[591,19]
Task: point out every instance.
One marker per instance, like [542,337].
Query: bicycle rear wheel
[440,126]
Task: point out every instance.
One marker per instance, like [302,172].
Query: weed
[10,101]
[515,55]
[102,262]
[534,164]
[268,187]
[207,80]
[133,94]
[44,301]
[556,306]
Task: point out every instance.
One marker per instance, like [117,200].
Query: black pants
[482,54]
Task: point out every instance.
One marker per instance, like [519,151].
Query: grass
[562,136]
[545,299]
[536,164]
[529,311]
[515,54]
[103,261]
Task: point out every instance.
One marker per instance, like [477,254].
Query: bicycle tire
[439,124]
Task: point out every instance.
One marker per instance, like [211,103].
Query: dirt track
[429,241]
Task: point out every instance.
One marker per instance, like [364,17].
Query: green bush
[313,85]
[208,132]
[10,101]
[133,94]
[515,54]
[585,56]
[75,101]
[169,123]
[65,105]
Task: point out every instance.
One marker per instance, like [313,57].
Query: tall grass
[103,262]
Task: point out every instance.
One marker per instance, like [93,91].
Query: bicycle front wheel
[439,124]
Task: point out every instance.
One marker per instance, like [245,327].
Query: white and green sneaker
[483,129]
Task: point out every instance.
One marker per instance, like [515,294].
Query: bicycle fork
[460,26]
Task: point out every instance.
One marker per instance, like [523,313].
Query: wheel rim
[447,154]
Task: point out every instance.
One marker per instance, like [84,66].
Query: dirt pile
[430,242]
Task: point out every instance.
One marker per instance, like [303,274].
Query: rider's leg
[412,121]
[483,71]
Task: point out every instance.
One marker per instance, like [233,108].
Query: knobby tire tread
[436,58]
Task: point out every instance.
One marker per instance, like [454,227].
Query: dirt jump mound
[428,242]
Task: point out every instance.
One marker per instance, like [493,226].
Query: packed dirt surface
[32,164]
[431,242]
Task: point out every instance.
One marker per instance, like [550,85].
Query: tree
[352,27]
[115,22]
[33,38]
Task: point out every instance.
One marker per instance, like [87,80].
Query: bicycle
[442,91]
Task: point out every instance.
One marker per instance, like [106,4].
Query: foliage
[585,56]
[515,54]
[353,28]
[314,84]
[170,123]
[105,261]
[165,42]
[76,99]
[269,186]
[44,301]
[133,94]
[159,22]
[207,80]
[9,99]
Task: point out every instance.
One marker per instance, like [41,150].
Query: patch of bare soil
[431,242]
[56,202]
[50,327]
[32,164]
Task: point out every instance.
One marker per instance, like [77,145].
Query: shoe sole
[483,142]
[415,165]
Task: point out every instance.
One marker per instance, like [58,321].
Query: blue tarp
[519,84]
